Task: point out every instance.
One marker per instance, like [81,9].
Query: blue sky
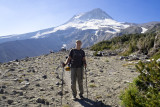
[22,16]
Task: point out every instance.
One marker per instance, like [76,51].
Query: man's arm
[67,61]
[84,62]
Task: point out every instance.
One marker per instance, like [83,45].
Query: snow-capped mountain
[95,20]
[93,14]
[90,27]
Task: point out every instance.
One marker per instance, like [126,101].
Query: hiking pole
[86,81]
[62,85]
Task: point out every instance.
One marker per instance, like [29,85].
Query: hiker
[78,62]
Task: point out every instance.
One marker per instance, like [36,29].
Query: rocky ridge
[36,81]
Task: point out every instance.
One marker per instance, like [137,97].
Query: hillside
[146,44]
[36,81]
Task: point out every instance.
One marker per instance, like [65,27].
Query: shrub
[95,53]
[145,89]
[156,55]
[134,42]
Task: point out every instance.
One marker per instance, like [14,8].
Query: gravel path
[36,82]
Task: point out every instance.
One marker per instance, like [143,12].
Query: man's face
[78,43]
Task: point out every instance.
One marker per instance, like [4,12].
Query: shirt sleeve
[83,54]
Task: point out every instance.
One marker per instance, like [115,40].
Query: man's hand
[63,64]
[85,65]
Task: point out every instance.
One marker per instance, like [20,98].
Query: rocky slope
[36,82]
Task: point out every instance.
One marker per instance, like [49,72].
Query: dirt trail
[36,82]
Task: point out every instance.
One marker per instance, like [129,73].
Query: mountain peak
[93,14]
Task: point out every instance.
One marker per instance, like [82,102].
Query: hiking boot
[74,98]
[81,96]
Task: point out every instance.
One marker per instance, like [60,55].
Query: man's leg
[73,81]
[80,80]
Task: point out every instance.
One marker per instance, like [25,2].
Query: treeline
[131,43]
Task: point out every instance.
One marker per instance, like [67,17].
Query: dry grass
[66,105]
[92,85]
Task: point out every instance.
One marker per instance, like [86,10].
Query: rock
[14,92]
[47,103]
[57,83]
[10,101]
[39,100]
[95,75]
[53,99]
[44,76]
[26,79]
[132,58]
[91,73]
[31,69]
[20,93]
[57,77]
[42,89]
[12,69]
[52,88]
[3,86]
[37,79]
[99,53]
[126,81]
[38,85]
[123,57]
[16,79]
[66,92]
[25,105]
[158,60]
[25,83]
[4,97]
[24,87]
[92,81]
[101,71]
[60,93]
[31,97]
[1,91]
[16,60]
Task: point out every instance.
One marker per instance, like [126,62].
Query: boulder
[10,101]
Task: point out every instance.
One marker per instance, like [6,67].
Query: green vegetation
[156,55]
[131,43]
[92,85]
[107,60]
[98,96]
[95,53]
[66,105]
[145,90]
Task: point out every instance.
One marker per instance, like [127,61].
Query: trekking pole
[86,81]
[62,86]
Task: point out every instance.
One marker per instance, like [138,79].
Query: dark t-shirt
[76,58]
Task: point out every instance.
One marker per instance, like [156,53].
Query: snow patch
[143,30]
[78,16]
[36,36]
[64,46]
[96,33]
[8,36]
[92,39]
[93,24]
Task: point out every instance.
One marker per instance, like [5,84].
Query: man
[77,60]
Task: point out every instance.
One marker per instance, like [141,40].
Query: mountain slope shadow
[90,103]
